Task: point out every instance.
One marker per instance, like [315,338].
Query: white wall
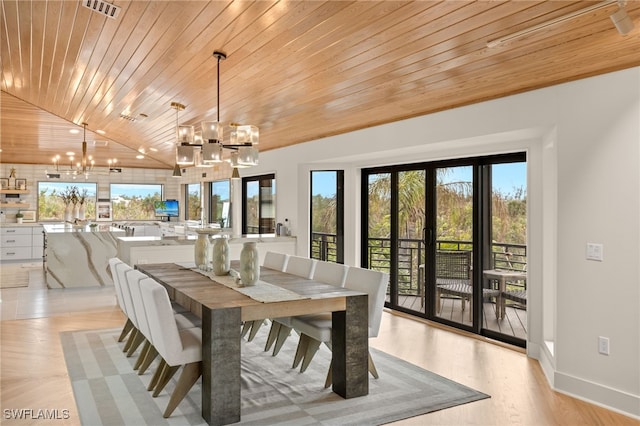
[582,141]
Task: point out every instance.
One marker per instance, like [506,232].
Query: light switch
[594,252]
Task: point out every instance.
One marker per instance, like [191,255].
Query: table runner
[261,292]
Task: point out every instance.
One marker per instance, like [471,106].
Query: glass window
[259,204]
[220,203]
[193,208]
[132,201]
[51,206]
[327,215]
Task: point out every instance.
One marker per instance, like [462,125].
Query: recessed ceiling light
[70,153]
[102,132]
[74,131]
[153,149]
[140,157]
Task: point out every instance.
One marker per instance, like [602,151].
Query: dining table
[502,275]
[224,304]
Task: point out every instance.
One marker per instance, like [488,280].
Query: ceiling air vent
[102,7]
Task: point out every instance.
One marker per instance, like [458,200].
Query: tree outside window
[193,201]
[51,206]
[132,201]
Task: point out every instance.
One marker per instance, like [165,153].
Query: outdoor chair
[518,296]
[453,277]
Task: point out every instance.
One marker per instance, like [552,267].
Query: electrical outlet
[603,345]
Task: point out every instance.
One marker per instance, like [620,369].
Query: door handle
[427,236]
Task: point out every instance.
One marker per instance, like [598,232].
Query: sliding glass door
[439,229]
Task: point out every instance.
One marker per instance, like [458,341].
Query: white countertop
[61,228]
[190,239]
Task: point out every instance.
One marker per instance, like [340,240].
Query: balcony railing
[411,254]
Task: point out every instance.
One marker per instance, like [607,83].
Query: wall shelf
[14,191]
[14,205]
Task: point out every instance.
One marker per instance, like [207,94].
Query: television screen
[167,208]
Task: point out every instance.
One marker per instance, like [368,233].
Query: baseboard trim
[597,394]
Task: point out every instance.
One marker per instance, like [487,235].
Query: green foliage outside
[51,204]
[454,221]
[193,202]
[135,207]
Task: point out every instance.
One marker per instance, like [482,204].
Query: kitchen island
[149,249]
[78,255]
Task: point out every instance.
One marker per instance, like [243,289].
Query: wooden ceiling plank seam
[18,73]
[61,42]
[6,55]
[82,70]
[133,30]
[167,101]
[326,71]
[235,115]
[526,66]
[116,98]
[322,37]
[226,96]
[169,92]
[52,16]
[508,72]
[50,146]
[292,82]
[107,57]
[98,67]
[72,51]
[170,65]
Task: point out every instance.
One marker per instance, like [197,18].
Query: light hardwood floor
[33,372]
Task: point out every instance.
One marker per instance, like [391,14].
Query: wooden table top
[193,291]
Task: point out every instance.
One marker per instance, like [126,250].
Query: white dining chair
[301,266]
[272,260]
[330,273]
[326,272]
[178,348]
[136,338]
[316,329]
[277,261]
[281,327]
[148,353]
[128,326]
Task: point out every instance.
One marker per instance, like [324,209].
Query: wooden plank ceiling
[299,70]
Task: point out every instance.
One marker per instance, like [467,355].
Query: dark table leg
[221,365]
[350,347]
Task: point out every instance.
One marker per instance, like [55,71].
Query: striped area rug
[109,392]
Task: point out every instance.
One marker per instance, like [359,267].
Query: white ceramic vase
[201,251]
[76,211]
[220,257]
[249,264]
[81,212]
[68,213]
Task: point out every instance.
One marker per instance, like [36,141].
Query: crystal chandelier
[209,146]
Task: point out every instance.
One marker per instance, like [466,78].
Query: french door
[433,228]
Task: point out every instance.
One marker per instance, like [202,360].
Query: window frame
[261,228]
